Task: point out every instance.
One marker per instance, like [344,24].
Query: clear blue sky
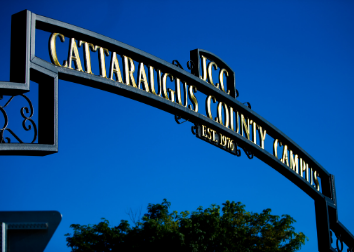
[293,62]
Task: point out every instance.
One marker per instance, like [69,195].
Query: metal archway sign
[228,124]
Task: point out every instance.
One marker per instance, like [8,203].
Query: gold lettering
[152,81]
[203,131]
[178,88]
[53,47]
[101,52]
[245,127]
[254,134]
[164,88]
[262,135]
[205,76]
[221,79]
[193,98]
[115,69]
[222,140]
[129,69]
[172,94]
[231,144]
[285,158]
[275,147]
[316,175]
[210,73]
[232,120]
[220,105]
[209,133]
[214,139]
[208,109]
[75,57]
[302,163]
[142,77]
[304,167]
[308,175]
[294,162]
[87,55]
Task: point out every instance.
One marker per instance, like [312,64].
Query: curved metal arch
[48,24]
[98,82]
[36,69]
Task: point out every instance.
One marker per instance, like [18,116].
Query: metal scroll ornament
[339,243]
[27,126]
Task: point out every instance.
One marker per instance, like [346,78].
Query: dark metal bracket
[23,70]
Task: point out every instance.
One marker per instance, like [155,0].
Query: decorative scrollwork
[247,104]
[177,118]
[330,234]
[341,243]
[194,130]
[24,111]
[191,66]
[177,64]
[248,153]
[238,151]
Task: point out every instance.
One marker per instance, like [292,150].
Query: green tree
[203,230]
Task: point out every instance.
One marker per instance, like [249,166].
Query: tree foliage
[203,230]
